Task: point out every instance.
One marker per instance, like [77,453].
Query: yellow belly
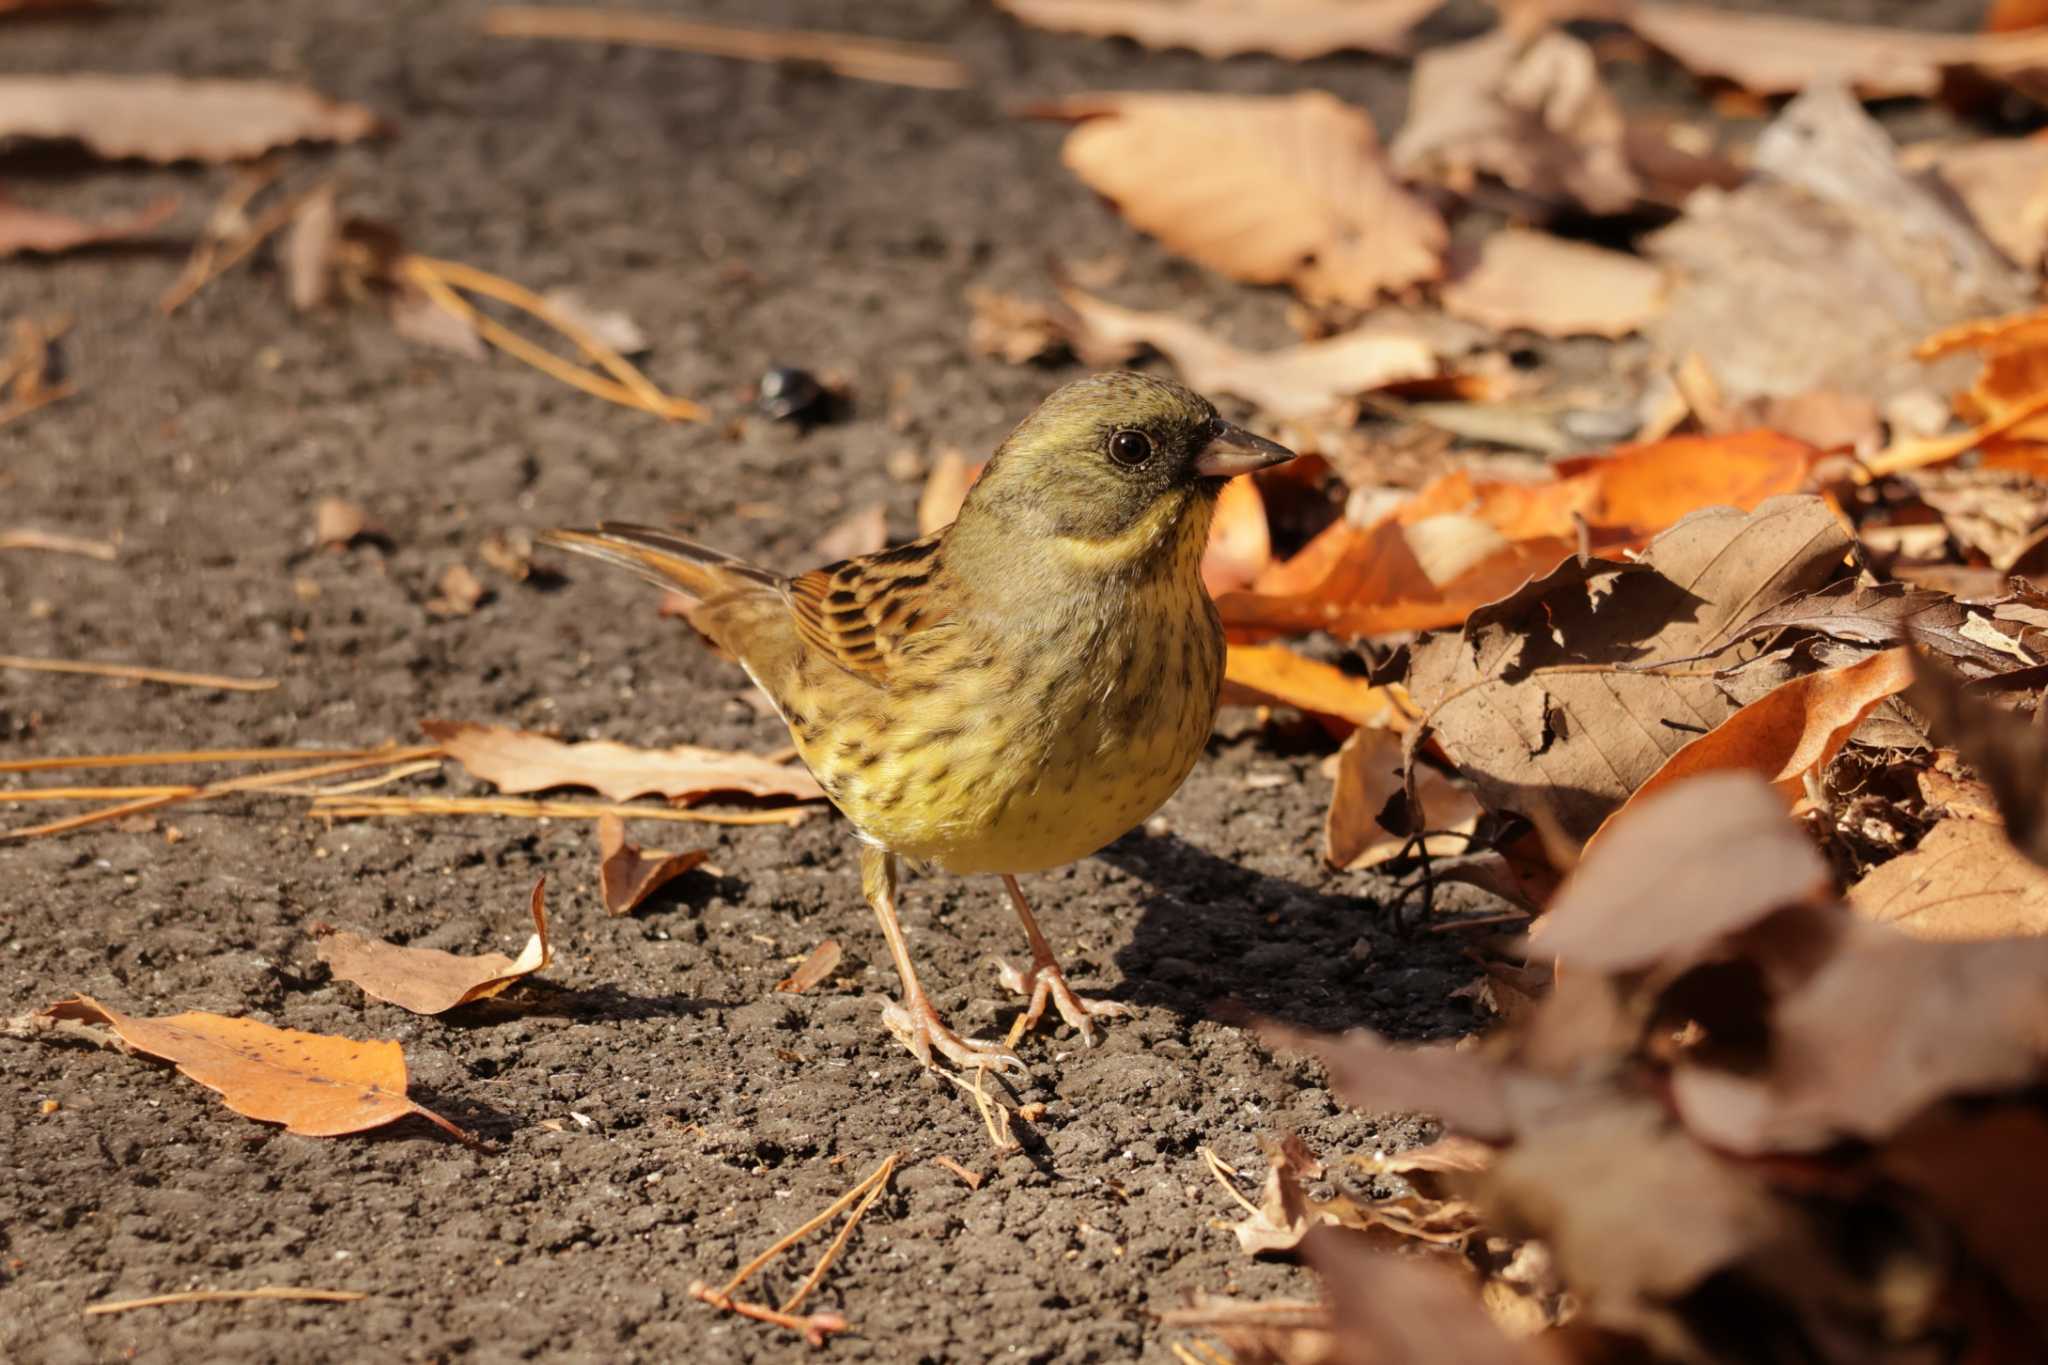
[1001,769]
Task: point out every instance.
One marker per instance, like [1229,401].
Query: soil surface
[658,1113]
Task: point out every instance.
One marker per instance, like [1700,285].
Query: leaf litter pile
[1664,584]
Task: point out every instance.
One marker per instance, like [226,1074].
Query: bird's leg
[1044,981]
[913,1020]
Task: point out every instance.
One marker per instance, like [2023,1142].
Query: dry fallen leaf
[427,980]
[457,592]
[860,532]
[628,874]
[1273,675]
[1304,380]
[2008,753]
[516,761]
[1012,327]
[1369,776]
[945,488]
[46,232]
[1533,115]
[818,964]
[1965,881]
[312,1083]
[1791,732]
[2004,183]
[1240,541]
[1531,280]
[170,118]
[1299,29]
[1771,54]
[1267,189]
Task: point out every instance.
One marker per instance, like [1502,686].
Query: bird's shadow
[1218,940]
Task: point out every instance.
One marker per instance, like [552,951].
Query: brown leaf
[1272,675]
[860,532]
[1792,731]
[314,1084]
[456,593]
[1826,271]
[1531,280]
[1267,189]
[1886,1027]
[516,761]
[2007,752]
[1533,115]
[337,522]
[43,231]
[820,963]
[169,118]
[1529,702]
[1305,380]
[1463,1089]
[427,980]
[2004,183]
[1964,882]
[1770,54]
[1369,776]
[1013,328]
[1655,887]
[1299,29]
[629,874]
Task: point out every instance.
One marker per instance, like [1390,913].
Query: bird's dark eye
[1130,448]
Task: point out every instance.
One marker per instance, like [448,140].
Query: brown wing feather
[863,613]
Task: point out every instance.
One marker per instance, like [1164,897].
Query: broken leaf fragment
[818,964]
[516,761]
[629,874]
[170,118]
[1299,29]
[48,232]
[428,980]
[315,1084]
[1279,189]
[1534,281]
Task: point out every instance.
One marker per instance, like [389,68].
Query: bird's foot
[1045,983]
[918,1027]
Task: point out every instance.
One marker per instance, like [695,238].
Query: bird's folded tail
[668,560]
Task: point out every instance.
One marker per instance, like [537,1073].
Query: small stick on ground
[15,798]
[869,59]
[171,758]
[1226,1176]
[363,807]
[268,1291]
[972,1179]
[138,673]
[28,538]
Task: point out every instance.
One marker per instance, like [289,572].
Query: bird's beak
[1232,451]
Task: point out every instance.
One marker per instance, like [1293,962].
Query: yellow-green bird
[1008,694]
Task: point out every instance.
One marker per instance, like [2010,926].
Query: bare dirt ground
[746,215]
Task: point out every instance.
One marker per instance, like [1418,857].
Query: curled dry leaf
[46,232]
[1963,882]
[1793,731]
[818,964]
[1386,1308]
[314,1084]
[2007,752]
[427,980]
[1529,701]
[1533,114]
[1268,189]
[1299,29]
[1368,781]
[516,761]
[1540,283]
[1305,380]
[1656,886]
[169,118]
[628,874]
[1272,675]
[1287,1213]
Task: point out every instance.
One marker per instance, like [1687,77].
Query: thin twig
[213,260]
[27,538]
[1226,1177]
[876,1183]
[175,757]
[366,807]
[27,794]
[268,1291]
[869,59]
[833,1210]
[138,673]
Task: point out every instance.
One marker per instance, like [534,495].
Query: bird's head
[1116,463]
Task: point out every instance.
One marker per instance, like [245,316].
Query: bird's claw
[1044,982]
[918,1027]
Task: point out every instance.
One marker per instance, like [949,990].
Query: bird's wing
[866,614]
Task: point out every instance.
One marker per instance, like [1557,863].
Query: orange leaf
[1794,729]
[517,761]
[945,488]
[818,965]
[314,1084]
[2010,16]
[1650,487]
[1268,675]
[628,874]
[427,980]
[1240,545]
